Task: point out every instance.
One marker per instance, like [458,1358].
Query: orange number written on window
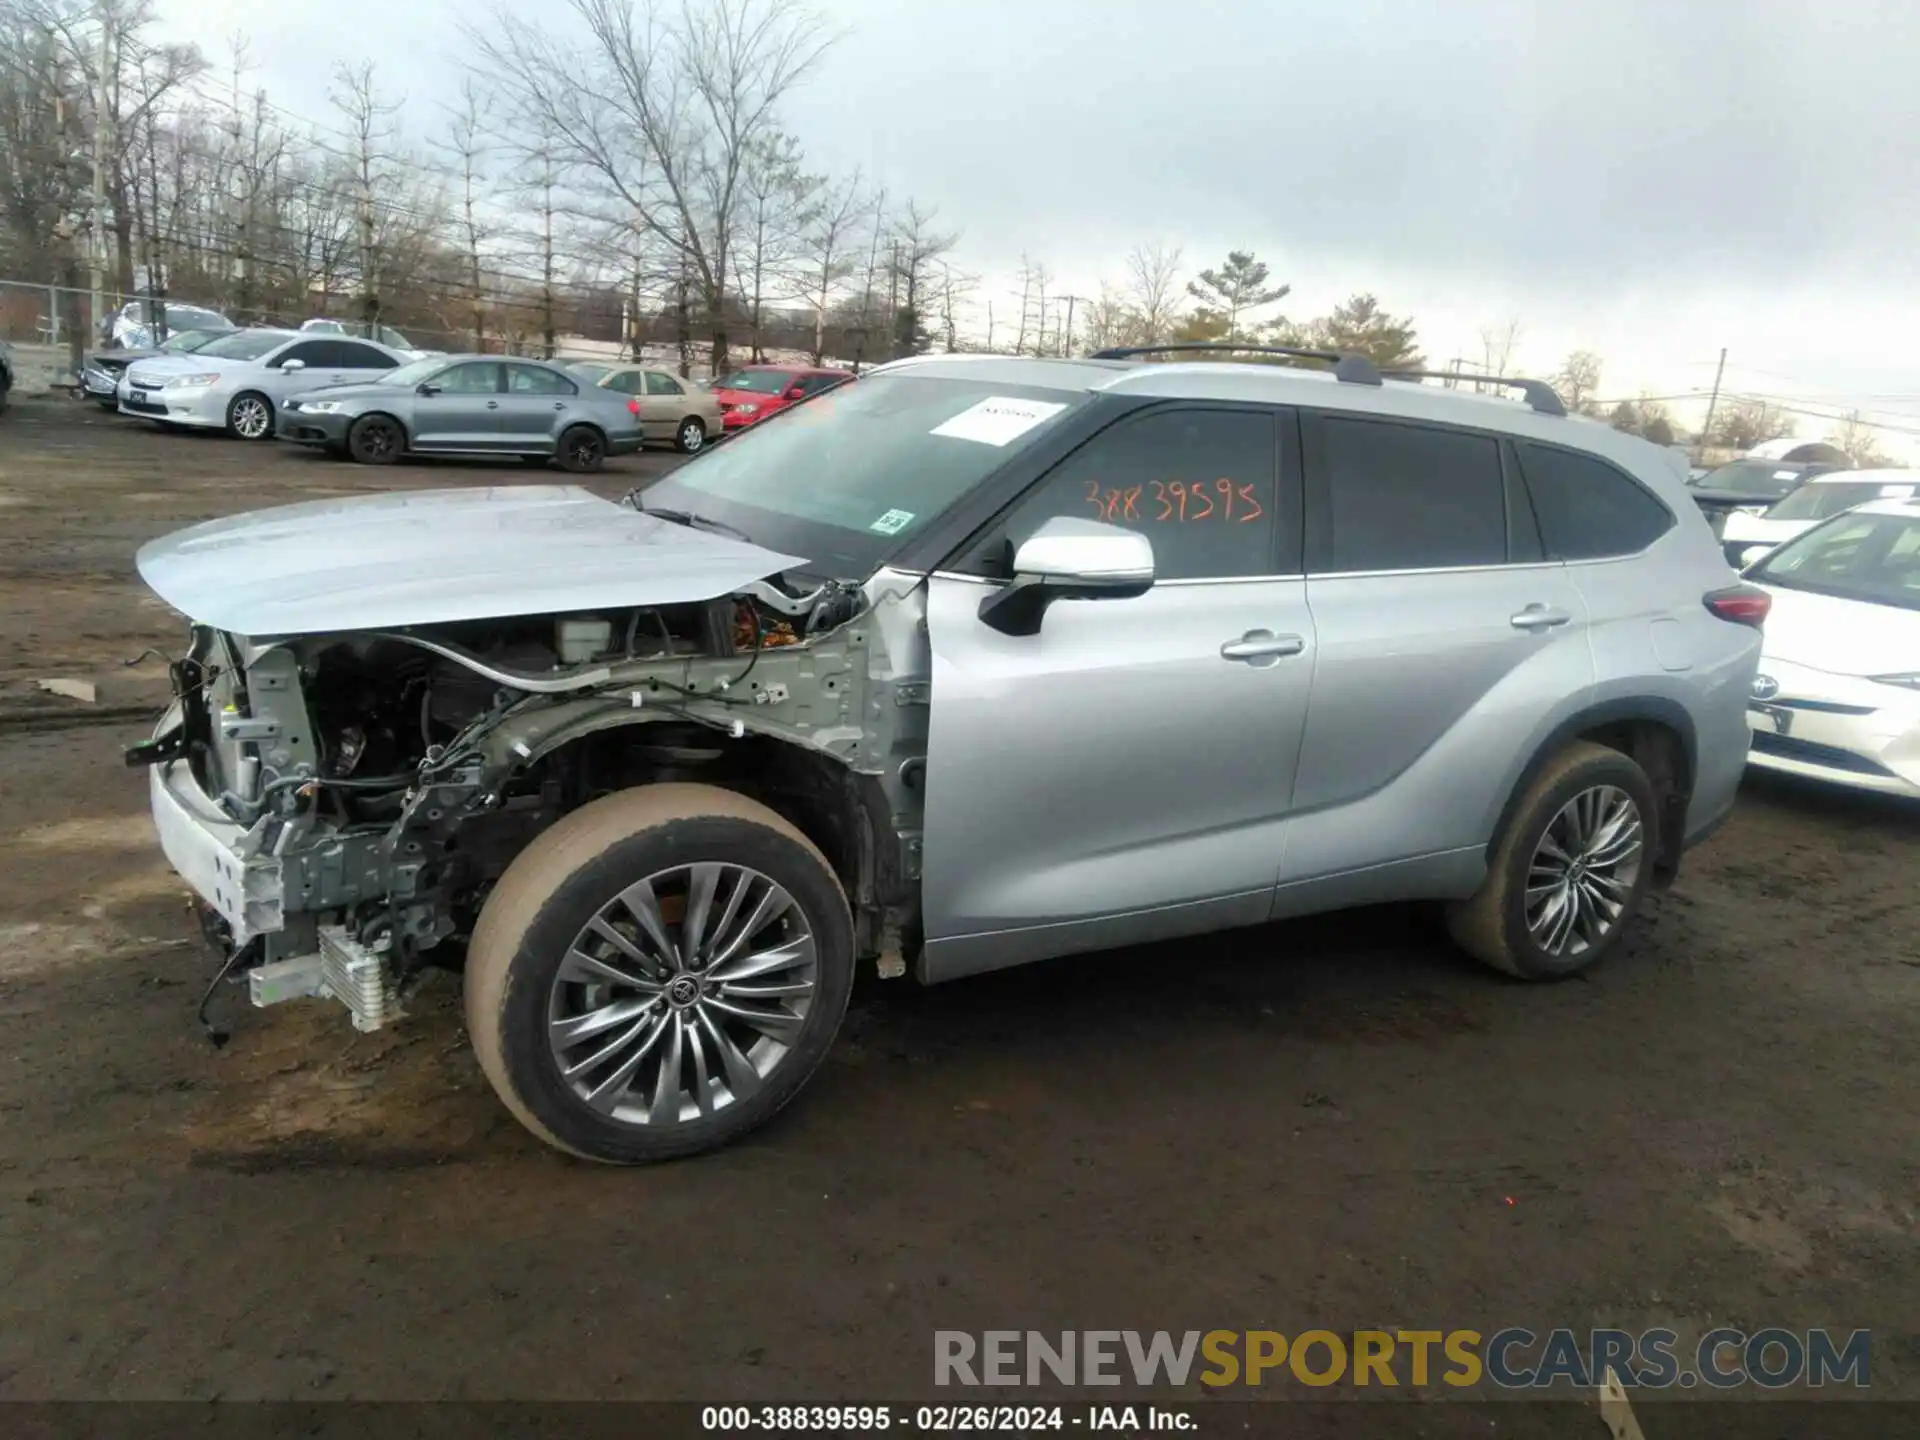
[1177,502]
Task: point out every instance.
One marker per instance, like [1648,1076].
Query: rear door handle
[493,404]
[1537,617]
[1262,647]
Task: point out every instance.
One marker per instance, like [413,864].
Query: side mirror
[1069,559]
[289,366]
[429,388]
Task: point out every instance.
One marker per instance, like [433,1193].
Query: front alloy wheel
[682,995]
[250,417]
[658,973]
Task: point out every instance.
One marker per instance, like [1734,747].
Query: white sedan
[1838,693]
[238,382]
[1748,537]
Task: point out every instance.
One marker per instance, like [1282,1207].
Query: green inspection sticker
[892,523]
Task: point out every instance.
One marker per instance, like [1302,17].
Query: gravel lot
[1338,1123]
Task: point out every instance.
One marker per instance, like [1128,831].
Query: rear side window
[1199,484]
[1587,509]
[314,354]
[354,356]
[536,380]
[658,384]
[1404,497]
[814,384]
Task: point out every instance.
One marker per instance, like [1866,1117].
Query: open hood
[425,557]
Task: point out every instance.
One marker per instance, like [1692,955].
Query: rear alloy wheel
[582,450]
[693,435]
[376,440]
[658,973]
[250,416]
[1570,871]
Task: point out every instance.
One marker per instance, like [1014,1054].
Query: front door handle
[1537,617]
[1262,647]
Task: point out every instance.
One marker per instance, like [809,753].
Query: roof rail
[1540,395]
[1354,369]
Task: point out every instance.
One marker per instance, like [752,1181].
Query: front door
[463,410]
[532,408]
[1127,772]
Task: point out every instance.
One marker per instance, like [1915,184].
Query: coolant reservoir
[581,638]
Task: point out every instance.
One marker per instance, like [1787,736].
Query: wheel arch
[842,811]
[1656,732]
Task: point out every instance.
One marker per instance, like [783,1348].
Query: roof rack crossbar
[1540,395]
[1353,369]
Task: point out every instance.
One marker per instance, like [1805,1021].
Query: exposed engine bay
[378,783]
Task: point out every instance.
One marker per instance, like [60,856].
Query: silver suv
[976,662]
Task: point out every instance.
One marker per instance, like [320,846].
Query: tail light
[633,407]
[1740,604]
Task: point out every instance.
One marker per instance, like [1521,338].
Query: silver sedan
[239,382]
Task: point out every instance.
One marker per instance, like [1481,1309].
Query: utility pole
[1067,348]
[97,249]
[1713,400]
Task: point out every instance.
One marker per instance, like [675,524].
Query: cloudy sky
[1649,179]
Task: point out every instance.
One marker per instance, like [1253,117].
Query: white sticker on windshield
[1895,492]
[892,523]
[1786,474]
[997,420]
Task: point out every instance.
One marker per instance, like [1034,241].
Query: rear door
[1128,771]
[352,362]
[1445,632]
[531,410]
[663,406]
[463,412]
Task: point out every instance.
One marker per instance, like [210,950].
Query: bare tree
[662,112]
[826,241]
[1579,381]
[1861,442]
[1498,345]
[1110,320]
[955,291]
[772,195]
[369,122]
[1153,292]
[467,144]
[1744,423]
[918,245]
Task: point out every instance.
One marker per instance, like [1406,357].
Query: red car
[754,392]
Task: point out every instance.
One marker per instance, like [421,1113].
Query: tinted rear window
[1586,508]
[1408,497]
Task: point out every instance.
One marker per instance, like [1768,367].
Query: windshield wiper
[698,522]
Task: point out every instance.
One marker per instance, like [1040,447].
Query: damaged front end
[344,798]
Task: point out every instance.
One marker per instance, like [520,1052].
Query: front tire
[376,440]
[658,974]
[1570,871]
[583,450]
[250,416]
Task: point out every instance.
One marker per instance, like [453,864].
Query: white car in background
[1747,537]
[238,382]
[1837,697]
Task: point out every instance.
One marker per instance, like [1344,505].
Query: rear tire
[376,440]
[1569,873]
[691,437]
[583,450]
[250,416]
[542,956]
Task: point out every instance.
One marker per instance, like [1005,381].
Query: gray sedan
[239,382]
[468,405]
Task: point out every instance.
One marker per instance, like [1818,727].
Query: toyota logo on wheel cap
[1765,687]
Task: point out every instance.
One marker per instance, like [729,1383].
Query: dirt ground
[1336,1124]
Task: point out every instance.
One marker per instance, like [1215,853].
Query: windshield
[760,382]
[1823,501]
[245,344]
[1875,558]
[843,477]
[1762,479]
[592,374]
[185,342]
